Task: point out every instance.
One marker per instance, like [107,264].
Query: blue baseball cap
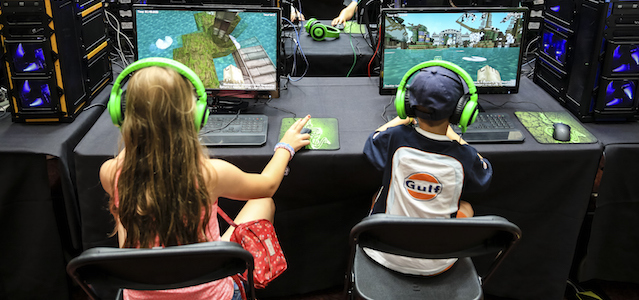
[437,89]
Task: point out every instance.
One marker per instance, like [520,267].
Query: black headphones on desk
[319,31]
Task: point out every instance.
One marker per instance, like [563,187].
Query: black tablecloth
[40,230]
[613,241]
[543,188]
[332,57]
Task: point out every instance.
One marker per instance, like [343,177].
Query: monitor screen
[234,50]
[198,2]
[486,42]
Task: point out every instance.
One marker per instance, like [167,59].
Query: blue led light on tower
[620,94]
[28,57]
[560,12]
[554,46]
[625,59]
[35,93]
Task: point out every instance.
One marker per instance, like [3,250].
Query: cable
[223,126]
[267,104]
[350,37]
[117,30]
[379,40]
[386,107]
[295,55]
[511,102]
[94,105]
[530,43]
[119,33]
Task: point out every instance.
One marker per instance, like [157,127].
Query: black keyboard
[491,128]
[234,130]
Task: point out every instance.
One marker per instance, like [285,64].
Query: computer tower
[589,59]
[56,57]
[554,58]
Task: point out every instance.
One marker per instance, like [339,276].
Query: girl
[163,188]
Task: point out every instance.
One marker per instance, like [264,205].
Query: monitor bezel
[480,90]
[225,93]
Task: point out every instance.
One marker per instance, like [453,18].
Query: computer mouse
[561,132]
[340,26]
[306,130]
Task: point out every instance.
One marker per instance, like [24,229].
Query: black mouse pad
[324,134]
[540,126]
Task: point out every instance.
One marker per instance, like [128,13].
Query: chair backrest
[161,268]
[436,238]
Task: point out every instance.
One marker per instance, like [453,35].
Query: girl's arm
[231,182]
[107,173]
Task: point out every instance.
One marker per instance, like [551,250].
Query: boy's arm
[394,122]
[455,137]
[451,134]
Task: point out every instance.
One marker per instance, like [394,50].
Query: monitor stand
[226,105]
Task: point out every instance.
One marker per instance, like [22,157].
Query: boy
[426,165]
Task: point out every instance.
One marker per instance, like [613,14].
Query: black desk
[40,229]
[330,57]
[613,242]
[542,188]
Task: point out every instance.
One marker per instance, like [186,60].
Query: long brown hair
[162,189]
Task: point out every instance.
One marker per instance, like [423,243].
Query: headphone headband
[465,113]
[115,105]
[319,31]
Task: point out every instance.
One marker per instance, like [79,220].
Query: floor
[603,289]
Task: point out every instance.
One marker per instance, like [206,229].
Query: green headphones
[320,31]
[466,109]
[117,105]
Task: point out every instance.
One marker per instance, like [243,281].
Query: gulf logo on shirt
[422,186]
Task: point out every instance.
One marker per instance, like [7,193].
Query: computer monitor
[265,3]
[486,42]
[234,50]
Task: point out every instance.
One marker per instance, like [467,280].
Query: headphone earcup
[465,113]
[459,109]
[410,111]
[318,31]
[115,106]
[201,114]
[400,102]
[469,115]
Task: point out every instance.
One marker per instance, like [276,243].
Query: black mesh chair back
[461,238]
[160,268]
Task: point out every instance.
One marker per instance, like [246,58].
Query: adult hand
[296,15]
[339,20]
[294,137]
[346,14]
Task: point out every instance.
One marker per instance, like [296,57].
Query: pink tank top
[219,289]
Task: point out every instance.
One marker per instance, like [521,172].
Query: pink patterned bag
[258,237]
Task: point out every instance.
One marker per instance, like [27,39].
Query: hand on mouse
[294,137]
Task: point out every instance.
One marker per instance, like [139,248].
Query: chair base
[374,281]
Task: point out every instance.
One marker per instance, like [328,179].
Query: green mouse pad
[353,27]
[540,126]
[324,134]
